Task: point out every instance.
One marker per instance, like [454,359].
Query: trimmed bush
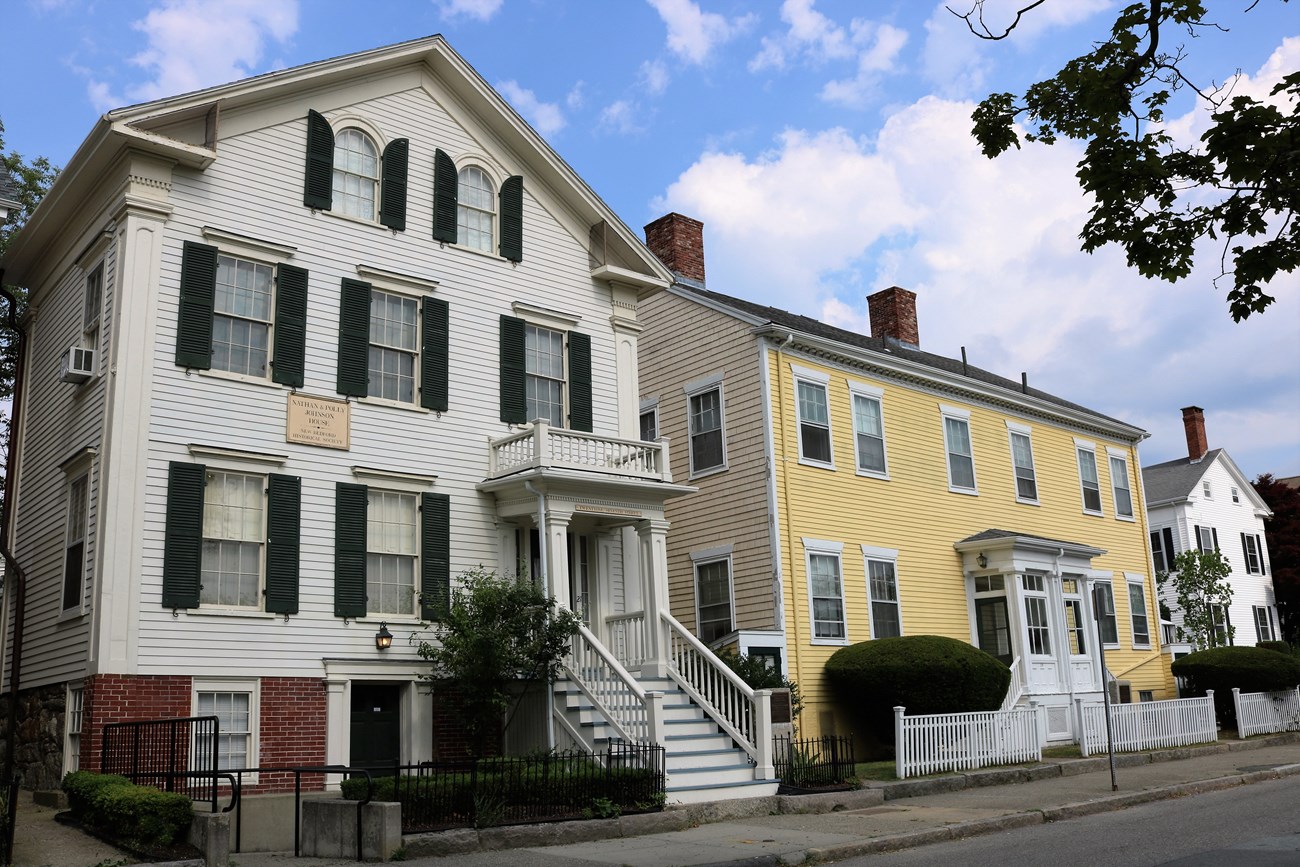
[1250,669]
[1278,646]
[136,814]
[923,673]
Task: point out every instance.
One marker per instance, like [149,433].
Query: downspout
[545,576]
[779,399]
[13,570]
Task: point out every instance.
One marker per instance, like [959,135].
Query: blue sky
[824,143]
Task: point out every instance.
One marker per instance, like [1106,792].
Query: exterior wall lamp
[982,560]
[383,638]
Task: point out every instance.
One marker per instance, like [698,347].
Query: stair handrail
[1015,689]
[747,715]
[631,719]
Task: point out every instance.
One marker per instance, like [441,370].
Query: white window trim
[698,559]
[695,389]
[1236,495]
[397,282]
[216,608]
[1081,446]
[947,412]
[1095,579]
[1131,579]
[249,252]
[395,484]
[250,685]
[407,483]
[1118,455]
[79,609]
[836,549]
[650,406]
[885,555]
[545,317]
[247,246]
[878,394]
[716,552]
[814,377]
[1207,490]
[397,287]
[1027,432]
[236,460]
[68,734]
[340,122]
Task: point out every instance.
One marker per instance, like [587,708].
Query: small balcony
[546,447]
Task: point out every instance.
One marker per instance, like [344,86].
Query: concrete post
[900,745]
[1083,733]
[765,768]
[654,711]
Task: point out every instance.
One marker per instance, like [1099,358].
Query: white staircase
[703,763]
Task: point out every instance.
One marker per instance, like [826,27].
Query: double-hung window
[705,425]
[74,712]
[74,546]
[239,314]
[474,209]
[649,422]
[814,418]
[1137,607]
[234,530]
[1221,625]
[1075,632]
[93,304]
[961,456]
[1162,550]
[394,347]
[235,705]
[868,430]
[348,174]
[1103,601]
[545,371]
[1265,626]
[544,348]
[1022,460]
[392,552]
[882,590]
[713,604]
[356,174]
[1250,550]
[1120,485]
[1038,628]
[1207,538]
[1089,485]
[826,592]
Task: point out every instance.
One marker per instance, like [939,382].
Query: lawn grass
[1064,751]
[880,771]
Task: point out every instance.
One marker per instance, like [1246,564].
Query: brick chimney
[893,316]
[679,243]
[1194,426]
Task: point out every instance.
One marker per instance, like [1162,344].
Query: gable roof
[891,354]
[1176,480]
[137,126]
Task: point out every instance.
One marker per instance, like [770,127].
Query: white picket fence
[1266,712]
[931,743]
[1148,724]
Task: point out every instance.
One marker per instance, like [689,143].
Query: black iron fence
[815,762]
[175,755]
[9,816]
[479,793]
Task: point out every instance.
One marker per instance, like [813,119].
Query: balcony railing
[548,447]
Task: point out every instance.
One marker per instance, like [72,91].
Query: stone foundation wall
[38,759]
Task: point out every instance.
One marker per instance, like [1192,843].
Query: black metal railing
[9,816]
[175,755]
[478,793]
[815,762]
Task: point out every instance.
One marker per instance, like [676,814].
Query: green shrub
[1279,646]
[138,814]
[1250,669]
[757,673]
[923,673]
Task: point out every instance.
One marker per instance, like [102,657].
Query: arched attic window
[475,211]
[356,173]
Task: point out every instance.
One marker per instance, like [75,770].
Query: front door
[993,628]
[376,725]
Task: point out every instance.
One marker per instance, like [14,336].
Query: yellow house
[854,487]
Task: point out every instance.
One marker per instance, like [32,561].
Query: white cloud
[481,10]
[192,44]
[810,32]
[694,33]
[654,77]
[879,56]
[577,96]
[621,117]
[545,117]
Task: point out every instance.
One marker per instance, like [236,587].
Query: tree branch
[983,32]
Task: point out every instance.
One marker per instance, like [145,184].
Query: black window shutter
[183,536]
[392,196]
[433,355]
[1196,530]
[290,325]
[579,381]
[354,338]
[1157,554]
[1245,553]
[318,188]
[1214,534]
[1169,548]
[444,197]
[350,550]
[435,556]
[512,219]
[283,507]
[514,372]
[194,314]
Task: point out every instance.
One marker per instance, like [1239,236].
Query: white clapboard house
[302,349]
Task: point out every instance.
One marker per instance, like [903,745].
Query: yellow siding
[914,512]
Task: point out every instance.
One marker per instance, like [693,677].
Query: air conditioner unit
[77,365]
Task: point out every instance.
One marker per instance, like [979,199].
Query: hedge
[139,814]
[1279,646]
[1250,669]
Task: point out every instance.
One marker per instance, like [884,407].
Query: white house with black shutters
[300,350]
[1203,501]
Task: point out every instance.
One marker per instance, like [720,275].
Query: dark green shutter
[350,550]
[183,536]
[512,219]
[435,556]
[354,338]
[283,506]
[444,197]
[318,188]
[433,355]
[514,372]
[290,325]
[194,315]
[392,201]
[579,381]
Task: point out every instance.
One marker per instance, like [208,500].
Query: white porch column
[653,535]
[337,724]
[557,555]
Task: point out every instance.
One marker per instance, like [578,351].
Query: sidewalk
[882,817]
